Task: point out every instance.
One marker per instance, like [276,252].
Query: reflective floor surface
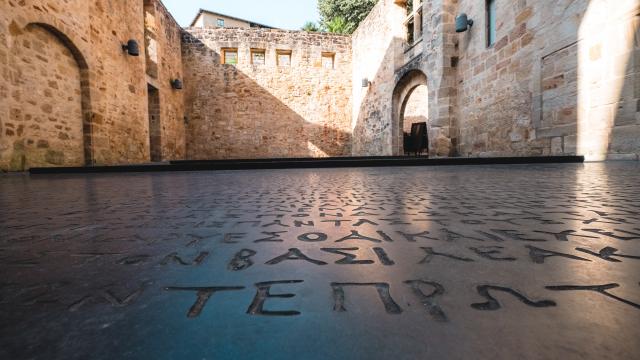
[479,262]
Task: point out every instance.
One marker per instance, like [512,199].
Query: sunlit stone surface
[531,262]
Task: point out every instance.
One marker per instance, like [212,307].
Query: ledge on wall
[305,163]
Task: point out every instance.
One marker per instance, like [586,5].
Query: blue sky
[285,14]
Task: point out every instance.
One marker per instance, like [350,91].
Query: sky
[284,14]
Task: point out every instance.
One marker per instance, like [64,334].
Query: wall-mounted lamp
[131,47]
[463,23]
[365,82]
[176,84]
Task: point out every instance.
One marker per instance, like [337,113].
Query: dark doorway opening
[155,133]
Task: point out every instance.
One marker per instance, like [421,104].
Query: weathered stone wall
[555,82]
[559,80]
[71,95]
[382,53]
[266,110]
[377,51]
[168,34]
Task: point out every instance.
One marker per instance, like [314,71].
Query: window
[413,22]
[328,60]
[491,22]
[283,57]
[230,56]
[220,22]
[258,56]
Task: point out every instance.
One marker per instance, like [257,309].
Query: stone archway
[50,105]
[402,93]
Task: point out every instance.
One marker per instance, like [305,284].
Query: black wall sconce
[463,23]
[176,84]
[365,82]
[132,48]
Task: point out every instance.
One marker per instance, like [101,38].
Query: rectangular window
[230,56]
[220,22]
[258,56]
[491,22]
[413,22]
[411,29]
[283,57]
[328,60]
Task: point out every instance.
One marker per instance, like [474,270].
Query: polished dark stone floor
[486,262]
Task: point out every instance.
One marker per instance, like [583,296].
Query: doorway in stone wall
[410,107]
[155,133]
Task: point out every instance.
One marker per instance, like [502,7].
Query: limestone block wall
[561,79]
[256,110]
[168,35]
[381,50]
[71,95]
[377,51]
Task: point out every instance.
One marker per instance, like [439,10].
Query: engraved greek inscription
[263,293]
[390,306]
[294,254]
[356,236]
[608,253]
[429,301]
[274,236]
[413,237]
[383,256]
[348,259]
[176,259]
[241,260]
[431,253]
[231,238]
[538,255]
[493,304]
[203,294]
[602,289]
[313,237]
[490,252]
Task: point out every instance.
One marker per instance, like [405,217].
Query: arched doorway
[410,105]
[50,106]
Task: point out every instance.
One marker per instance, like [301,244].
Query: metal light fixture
[365,82]
[463,23]
[132,48]
[176,84]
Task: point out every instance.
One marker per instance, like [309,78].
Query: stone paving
[506,262]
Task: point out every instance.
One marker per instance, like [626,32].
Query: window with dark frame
[491,22]
[221,22]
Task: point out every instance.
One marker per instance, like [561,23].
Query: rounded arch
[409,81]
[79,92]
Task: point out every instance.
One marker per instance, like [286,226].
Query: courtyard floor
[508,262]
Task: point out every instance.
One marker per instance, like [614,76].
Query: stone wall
[377,51]
[252,110]
[72,96]
[555,82]
[397,68]
[168,34]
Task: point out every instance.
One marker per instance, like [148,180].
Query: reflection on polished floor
[518,261]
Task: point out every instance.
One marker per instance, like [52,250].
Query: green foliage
[310,26]
[344,15]
[338,25]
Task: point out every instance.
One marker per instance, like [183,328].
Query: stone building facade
[71,95]
[261,93]
[560,77]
